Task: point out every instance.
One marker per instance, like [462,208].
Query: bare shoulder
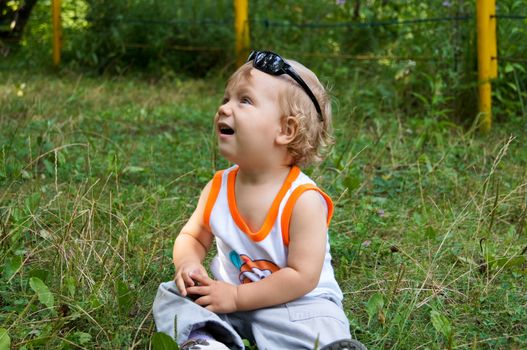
[310,200]
[309,209]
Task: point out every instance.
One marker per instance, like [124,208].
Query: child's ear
[288,131]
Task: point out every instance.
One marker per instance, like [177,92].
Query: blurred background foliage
[426,49]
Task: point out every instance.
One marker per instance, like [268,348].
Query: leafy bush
[186,36]
[425,50]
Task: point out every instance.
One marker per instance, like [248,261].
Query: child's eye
[246,99]
[225,100]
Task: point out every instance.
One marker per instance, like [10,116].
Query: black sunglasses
[271,63]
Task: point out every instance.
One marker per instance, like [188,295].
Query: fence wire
[267,23]
[349,24]
[515,17]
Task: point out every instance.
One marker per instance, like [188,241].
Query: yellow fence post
[485,14]
[57,31]
[241,25]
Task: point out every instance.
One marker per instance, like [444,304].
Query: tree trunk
[15,21]
[356,10]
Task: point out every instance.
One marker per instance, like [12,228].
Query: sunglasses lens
[269,63]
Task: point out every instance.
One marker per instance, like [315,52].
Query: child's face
[249,119]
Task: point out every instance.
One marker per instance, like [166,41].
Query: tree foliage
[428,48]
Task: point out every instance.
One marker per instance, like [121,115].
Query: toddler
[273,283]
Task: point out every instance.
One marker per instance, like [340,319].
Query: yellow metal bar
[57,31]
[241,25]
[483,11]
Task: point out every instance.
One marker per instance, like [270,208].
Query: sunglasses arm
[306,88]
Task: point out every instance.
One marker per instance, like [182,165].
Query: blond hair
[313,137]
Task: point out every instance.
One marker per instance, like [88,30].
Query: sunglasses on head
[271,63]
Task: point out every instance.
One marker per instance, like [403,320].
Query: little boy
[273,280]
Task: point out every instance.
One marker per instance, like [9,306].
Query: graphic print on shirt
[252,270]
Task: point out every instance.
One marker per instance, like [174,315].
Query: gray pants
[295,325]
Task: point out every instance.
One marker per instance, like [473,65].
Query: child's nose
[225,109]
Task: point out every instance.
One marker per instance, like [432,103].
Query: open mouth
[225,129]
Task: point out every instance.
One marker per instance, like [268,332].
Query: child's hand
[216,296]
[183,277]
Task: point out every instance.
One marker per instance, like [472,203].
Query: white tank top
[245,256]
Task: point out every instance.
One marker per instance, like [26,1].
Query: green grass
[97,176]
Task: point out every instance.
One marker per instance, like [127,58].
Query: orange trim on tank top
[288,208]
[271,214]
[211,199]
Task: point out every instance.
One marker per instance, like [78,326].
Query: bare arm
[191,246]
[305,259]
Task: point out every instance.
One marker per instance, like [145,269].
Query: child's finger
[202,279]
[189,282]
[180,284]
[200,290]
[203,301]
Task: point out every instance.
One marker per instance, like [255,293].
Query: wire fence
[270,24]
[308,32]
[348,24]
[418,50]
